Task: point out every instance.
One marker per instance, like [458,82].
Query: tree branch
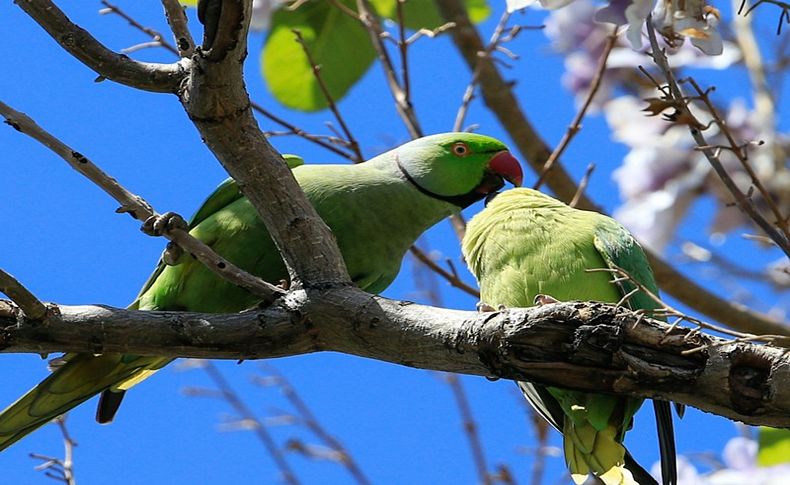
[27,301]
[218,104]
[499,98]
[587,346]
[161,78]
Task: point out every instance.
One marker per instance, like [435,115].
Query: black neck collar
[462,200]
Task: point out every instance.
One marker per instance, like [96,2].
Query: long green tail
[588,450]
[77,379]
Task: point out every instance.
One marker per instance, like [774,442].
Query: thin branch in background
[352,142]
[784,17]
[140,209]
[60,469]
[470,427]
[699,254]
[403,48]
[678,101]
[582,185]
[403,105]
[450,276]
[24,299]
[466,101]
[741,154]
[493,43]
[177,19]
[307,418]
[293,129]
[425,281]
[246,416]
[158,38]
[576,124]
[542,450]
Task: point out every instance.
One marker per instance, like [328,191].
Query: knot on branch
[749,380]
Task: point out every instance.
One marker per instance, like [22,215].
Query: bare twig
[582,185]
[744,202]
[740,153]
[312,423]
[246,414]
[576,125]
[60,469]
[493,43]
[403,48]
[450,276]
[470,427]
[700,254]
[177,19]
[163,78]
[406,111]
[139,208]
[25,300]
[666,310]
[784,17]
[428,285]
[352,142]
[158,38]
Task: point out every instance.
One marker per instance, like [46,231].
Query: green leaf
[422,14]
[774,447]
[337,43]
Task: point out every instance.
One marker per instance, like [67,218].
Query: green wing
[619,249]
[224,195]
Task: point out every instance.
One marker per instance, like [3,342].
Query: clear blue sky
[62,238]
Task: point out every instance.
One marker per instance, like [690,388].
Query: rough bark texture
[577,345]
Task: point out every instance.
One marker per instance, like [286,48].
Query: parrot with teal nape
[376,210]
[526,248]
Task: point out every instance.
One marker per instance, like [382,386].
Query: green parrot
[375,209]
[526,245]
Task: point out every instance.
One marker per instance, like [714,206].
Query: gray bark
[576,345]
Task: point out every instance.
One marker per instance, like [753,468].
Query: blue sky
[62,238]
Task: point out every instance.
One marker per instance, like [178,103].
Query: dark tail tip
[640,474]
[666,442]
[109,402]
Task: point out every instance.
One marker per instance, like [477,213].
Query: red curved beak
[506,165]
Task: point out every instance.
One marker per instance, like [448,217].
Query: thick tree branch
[161,78]
[577,345]
[499,97]
[217,102]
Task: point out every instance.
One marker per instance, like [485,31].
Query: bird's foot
[160,224]
[541,300]
[485,307]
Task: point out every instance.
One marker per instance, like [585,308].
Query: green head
[459,168]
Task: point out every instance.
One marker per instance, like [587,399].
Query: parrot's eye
[461,149]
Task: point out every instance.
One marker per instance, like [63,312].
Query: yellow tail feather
[588,450]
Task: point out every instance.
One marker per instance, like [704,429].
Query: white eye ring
[461,149]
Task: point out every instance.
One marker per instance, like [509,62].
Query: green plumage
[376,210]
[526,244]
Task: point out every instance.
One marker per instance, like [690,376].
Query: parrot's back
[526,244]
